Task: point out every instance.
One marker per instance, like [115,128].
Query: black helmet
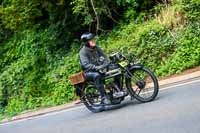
[87,36]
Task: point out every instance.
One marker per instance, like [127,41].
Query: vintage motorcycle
[136,81]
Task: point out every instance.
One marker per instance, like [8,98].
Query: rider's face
[92,43]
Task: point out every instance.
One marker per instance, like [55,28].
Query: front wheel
[143,84]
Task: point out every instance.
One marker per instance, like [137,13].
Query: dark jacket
[90,58]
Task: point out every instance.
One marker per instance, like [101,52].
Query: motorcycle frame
[124,78]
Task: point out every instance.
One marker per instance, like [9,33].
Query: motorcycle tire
[143,89]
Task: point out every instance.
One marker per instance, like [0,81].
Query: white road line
[172,86]
[40,116]
[80,107]
[190,82]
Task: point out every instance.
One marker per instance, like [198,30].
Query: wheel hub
[141,84]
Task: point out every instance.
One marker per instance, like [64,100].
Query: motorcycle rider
[93,60]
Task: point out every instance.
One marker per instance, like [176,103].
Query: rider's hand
[97,68]
[101,68]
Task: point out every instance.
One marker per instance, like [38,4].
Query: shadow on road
[124,104]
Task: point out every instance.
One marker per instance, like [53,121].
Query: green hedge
[187,53]
[33,74]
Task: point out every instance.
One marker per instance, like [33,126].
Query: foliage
[19,15]
[171,17]
[151,42]
[32,72]
[187,53]
[109,12]
[191,8]
[16,14]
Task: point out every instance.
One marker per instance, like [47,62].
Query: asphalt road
[176,110]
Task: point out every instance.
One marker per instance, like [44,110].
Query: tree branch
[97,17]
[110,15]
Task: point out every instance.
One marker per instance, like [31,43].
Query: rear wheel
[143,84]
[92,99]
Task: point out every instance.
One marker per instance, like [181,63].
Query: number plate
[123,63]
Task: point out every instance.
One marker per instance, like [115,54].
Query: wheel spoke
[137,91]
[92,96]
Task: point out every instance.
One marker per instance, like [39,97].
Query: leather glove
[97,68]
[100,67]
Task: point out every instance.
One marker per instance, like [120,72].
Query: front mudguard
[132,68]
[135,66]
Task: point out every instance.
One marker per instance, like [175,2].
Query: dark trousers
[97,78]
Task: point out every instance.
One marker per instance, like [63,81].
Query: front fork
[130,76]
